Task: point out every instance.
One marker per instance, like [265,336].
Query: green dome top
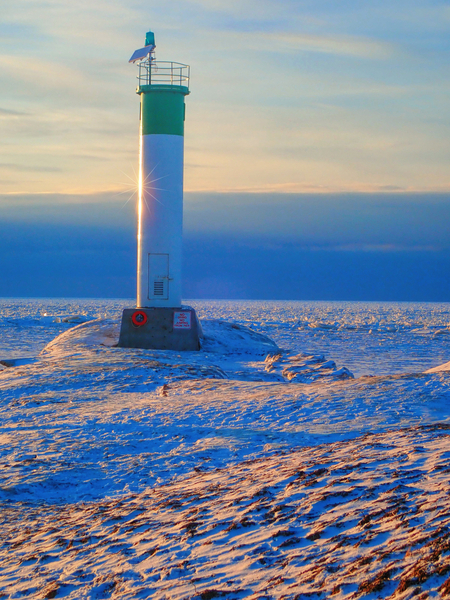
[150,38]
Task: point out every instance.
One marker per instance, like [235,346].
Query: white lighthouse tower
[160,321]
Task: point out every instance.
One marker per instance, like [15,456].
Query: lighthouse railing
[152,72]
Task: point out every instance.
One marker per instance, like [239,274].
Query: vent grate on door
[158,288]
[158,276]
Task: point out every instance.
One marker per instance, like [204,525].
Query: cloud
[363,221]
[286,97]
[374,248]
[298,187]
[28,168]
[87,22]
[287,246]
[329,44]
[8,113]
[383,222]
[49,79]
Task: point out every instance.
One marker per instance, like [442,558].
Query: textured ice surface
[364,518]
[369,338]
[249,469]
[95,420]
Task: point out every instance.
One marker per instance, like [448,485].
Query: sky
[317,146]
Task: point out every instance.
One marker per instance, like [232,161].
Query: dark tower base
[160,329]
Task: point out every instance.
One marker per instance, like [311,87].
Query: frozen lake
[316,465]
[369,338]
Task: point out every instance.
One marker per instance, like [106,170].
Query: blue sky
[295,106]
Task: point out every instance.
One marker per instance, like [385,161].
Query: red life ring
[139,318]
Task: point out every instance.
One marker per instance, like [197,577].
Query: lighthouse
[159,320]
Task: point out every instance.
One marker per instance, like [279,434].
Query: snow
[347,519]
[253,468]
[438,369]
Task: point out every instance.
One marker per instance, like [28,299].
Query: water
[369,338]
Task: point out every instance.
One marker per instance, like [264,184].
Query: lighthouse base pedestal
[160,329]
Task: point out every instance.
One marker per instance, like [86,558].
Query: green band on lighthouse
[162,109]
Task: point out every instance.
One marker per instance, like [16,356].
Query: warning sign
[182,320]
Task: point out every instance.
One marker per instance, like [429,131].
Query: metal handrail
[152,72]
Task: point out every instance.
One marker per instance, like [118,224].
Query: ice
[439,368]
[257,467]
[362,518]
[17,362]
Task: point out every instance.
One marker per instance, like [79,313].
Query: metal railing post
[164,73]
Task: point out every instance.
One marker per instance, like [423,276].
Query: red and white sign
[182,320]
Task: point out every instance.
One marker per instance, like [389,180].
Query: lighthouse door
[158,276]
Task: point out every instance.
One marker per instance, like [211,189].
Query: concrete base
[160,329]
